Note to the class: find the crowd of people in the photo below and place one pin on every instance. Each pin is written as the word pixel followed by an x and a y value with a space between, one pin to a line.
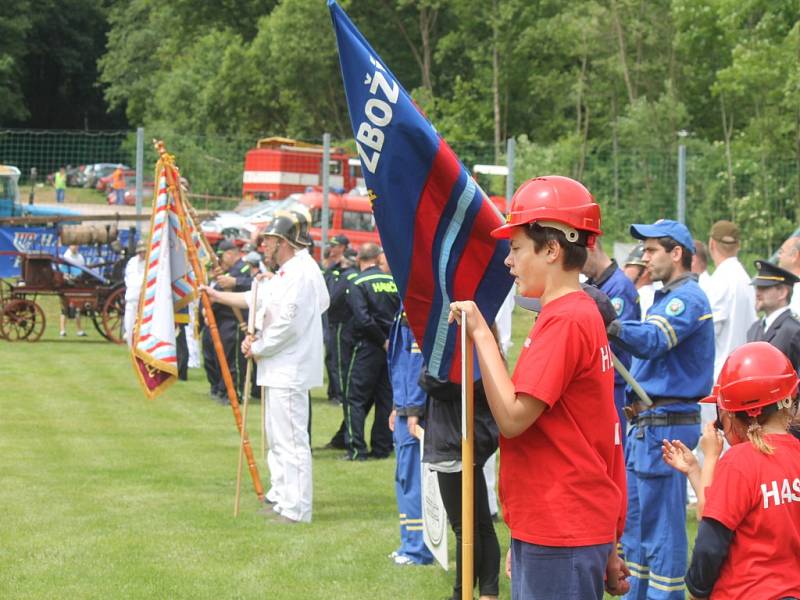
pixel 594 460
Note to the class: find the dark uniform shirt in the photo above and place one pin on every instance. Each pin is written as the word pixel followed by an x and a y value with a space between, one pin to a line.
pixel 373 299
pixel 243 274
pixel 338 282
pixel 784 334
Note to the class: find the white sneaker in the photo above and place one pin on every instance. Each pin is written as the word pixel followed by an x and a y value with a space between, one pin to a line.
pixel 81 333
pixel 402 559
pixel 62 333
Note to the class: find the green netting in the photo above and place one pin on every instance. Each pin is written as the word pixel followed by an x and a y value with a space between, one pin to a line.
pixel 632 185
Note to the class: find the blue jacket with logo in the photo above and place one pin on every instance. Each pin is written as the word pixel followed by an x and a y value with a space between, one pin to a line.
pixel 673 347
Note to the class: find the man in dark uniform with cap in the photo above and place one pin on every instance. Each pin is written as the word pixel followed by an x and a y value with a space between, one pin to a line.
pixel 233 275
pixel 341 343
pixel 779 326
pixel 374 301
pixel 335 318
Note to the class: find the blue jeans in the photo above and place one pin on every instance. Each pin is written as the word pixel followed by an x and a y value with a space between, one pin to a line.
pixel 120 196
pixel 558 573
pixel 60 194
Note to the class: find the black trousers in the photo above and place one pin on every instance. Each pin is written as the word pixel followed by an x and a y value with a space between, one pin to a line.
pixel 332 364
pixel 486 549
pixel 231 337
pixel 343 351
pixel 182 352
pixel 368 384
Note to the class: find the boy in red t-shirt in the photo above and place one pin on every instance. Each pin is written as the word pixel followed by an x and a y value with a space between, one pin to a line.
pixel 562 474
pixel 748 543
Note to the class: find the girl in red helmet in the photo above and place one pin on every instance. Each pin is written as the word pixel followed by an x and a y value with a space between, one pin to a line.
pixel 748 542
pixel 562 475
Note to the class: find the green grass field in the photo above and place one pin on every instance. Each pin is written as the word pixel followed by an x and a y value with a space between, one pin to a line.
pixel 108 495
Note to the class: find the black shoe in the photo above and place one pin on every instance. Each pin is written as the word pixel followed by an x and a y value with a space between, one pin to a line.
pixel 334 446
pixel 335 401
pixel 354 458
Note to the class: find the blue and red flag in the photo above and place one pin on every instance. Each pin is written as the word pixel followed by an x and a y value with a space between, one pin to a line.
pixel 434 220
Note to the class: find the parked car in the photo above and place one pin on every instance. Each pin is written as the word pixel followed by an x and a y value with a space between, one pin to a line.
pixel 105 183
pixel 349 215
pixel 130 193
pixel 92 173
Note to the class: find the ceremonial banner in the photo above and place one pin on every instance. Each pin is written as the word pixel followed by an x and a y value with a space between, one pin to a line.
pixel 169 286
pixel 434 220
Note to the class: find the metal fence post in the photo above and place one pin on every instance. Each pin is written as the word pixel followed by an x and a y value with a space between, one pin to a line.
pixel 682 184
pixel 511 147
pixel 326 167
pixel 139 177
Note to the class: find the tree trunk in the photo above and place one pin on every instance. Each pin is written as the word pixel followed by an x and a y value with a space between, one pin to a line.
pixel 496 82
pixel 727 133
pixel 622 53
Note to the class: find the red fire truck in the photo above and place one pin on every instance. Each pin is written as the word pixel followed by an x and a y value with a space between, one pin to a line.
pixel 278 166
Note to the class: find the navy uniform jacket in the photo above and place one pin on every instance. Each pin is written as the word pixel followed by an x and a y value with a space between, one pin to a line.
pixel 673 347
pixel 338 281
pixel 243 273
pixel 372 297
pixel 784 334
pixel 625 300
pixel 405 367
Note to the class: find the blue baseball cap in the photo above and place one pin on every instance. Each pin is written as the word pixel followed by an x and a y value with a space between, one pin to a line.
pixel 665 228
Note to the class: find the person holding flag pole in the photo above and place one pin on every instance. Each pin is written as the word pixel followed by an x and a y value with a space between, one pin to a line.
pixel 562 475
pixel 433 218
pixel 171 283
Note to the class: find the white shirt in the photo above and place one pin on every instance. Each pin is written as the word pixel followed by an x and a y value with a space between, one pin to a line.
pixel 316 276
pixel 647 294
pixel 289 346
pixel 795 303
pixel 703 280
pixel 75 259
pixel 503 321
pixel 134 276
pixel 733 305
pixel 769 320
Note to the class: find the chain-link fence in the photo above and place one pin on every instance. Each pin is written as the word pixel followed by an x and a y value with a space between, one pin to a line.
pixel 760 193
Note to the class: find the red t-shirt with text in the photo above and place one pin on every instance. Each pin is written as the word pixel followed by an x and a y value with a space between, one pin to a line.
pixel 757 496
pixel 562 481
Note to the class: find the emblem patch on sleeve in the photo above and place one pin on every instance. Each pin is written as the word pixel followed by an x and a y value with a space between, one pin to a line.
pixel 675 307
pixel 618 304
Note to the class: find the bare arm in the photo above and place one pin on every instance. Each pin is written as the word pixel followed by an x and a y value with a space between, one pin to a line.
pixel 513 412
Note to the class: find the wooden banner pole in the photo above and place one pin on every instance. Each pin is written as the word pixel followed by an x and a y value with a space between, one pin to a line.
pixel 247 389
pixel 467 464
pixel 210 320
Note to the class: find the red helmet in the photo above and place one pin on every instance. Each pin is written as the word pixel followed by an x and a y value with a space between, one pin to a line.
pixel 554 201
pixel 755 375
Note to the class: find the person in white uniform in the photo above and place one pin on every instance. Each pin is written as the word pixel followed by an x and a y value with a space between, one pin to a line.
pixel 789 259
pixel 134 276
pixel 732 298
pixel 287 347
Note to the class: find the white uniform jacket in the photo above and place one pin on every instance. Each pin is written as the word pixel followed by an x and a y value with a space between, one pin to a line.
pixel 733 304
pixel 288 346
pixel 134 276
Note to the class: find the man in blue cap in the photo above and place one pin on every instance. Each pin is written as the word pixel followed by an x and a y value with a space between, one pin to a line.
pixel 673 360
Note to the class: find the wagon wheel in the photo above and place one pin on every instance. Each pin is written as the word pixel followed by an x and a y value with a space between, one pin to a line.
pixel 97 321
pixel 22 320
pixel 113 316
